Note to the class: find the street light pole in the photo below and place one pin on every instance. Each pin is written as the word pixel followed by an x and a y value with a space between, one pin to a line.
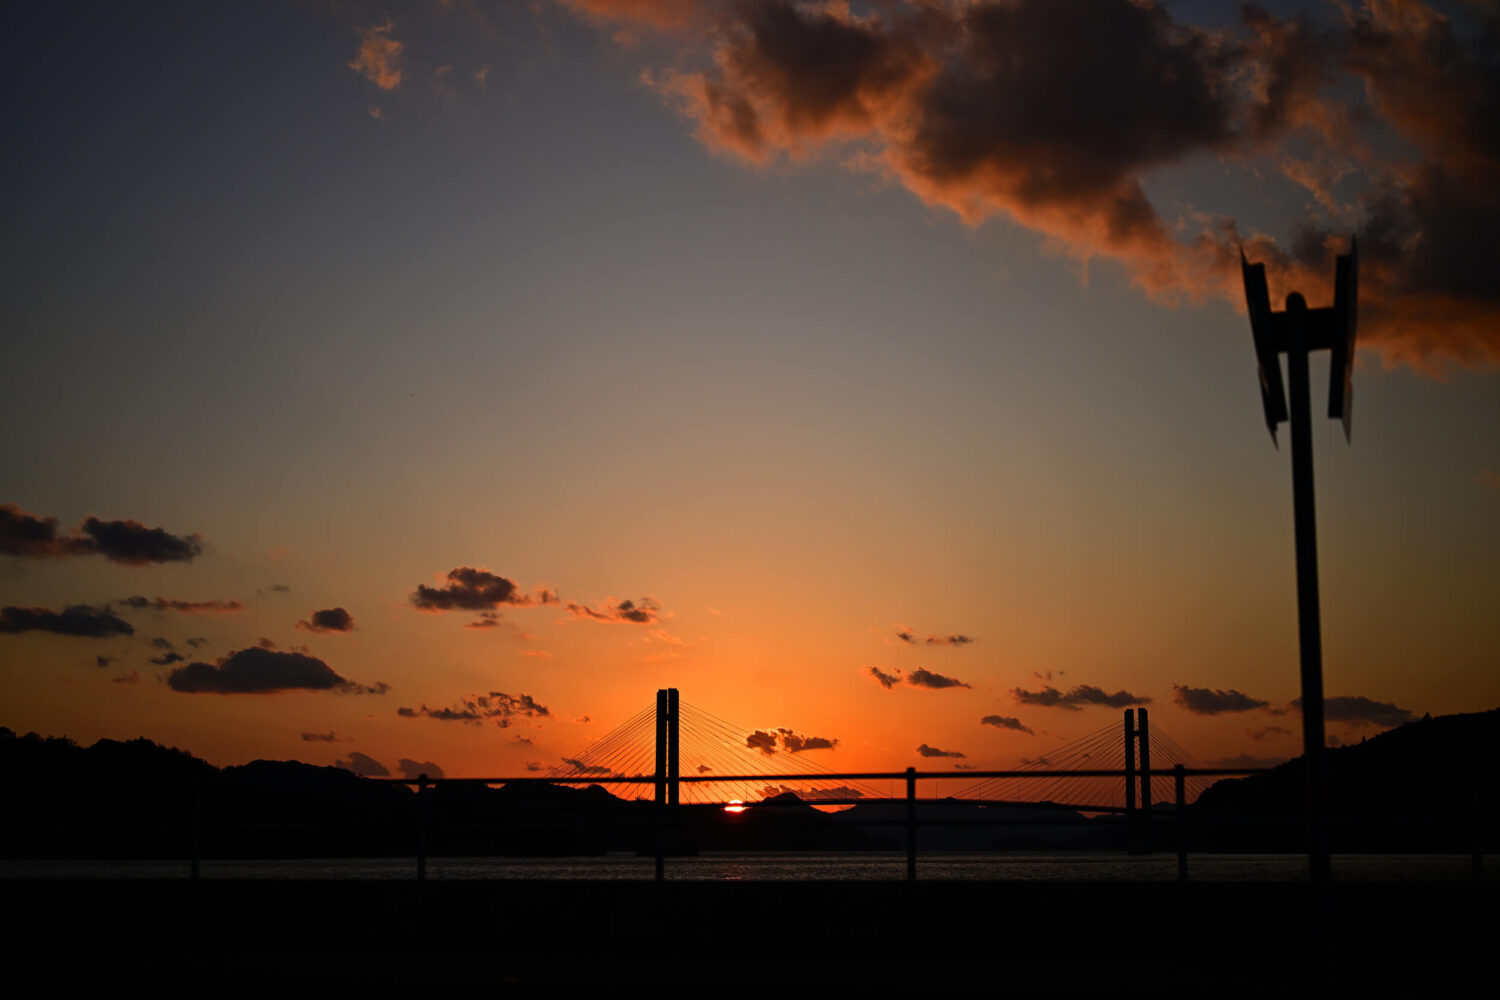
pixel 1297 331
pixel 1309 622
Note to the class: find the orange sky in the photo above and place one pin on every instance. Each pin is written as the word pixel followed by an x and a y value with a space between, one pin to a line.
pixel 619 302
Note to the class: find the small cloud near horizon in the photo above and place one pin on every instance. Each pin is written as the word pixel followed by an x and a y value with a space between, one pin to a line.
pixel 1076 699
pixel 328 620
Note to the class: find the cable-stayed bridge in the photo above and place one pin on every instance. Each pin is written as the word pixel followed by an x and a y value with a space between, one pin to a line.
pixel 679 754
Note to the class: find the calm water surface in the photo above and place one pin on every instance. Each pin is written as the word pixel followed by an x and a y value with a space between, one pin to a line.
pixel 1100 867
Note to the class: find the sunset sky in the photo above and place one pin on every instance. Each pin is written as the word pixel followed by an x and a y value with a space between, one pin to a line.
pixel 436 381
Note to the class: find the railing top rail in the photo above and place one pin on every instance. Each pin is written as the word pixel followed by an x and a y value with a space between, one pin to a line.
pixel 647 779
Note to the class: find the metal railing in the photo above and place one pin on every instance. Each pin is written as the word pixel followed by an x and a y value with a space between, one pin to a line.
pixel 910 776
pixel 665 818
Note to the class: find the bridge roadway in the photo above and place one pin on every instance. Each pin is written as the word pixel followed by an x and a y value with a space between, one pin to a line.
pixel 514 937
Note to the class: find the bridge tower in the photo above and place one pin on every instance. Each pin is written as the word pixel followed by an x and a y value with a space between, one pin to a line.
pixel 667 756
pixel 1137 823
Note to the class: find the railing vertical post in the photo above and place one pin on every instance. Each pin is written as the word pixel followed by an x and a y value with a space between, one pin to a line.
pixel 911 824
pixel 1130 816
pixel 1179 782
pixel 1144 735
pixel 421 828
pixel 197 830
pixel 661 841
pixel 1476 817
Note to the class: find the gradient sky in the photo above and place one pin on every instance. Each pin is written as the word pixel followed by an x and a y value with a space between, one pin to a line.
pixel 799 327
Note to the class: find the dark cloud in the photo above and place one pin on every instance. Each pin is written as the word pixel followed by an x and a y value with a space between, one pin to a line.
pixel 255 670
pixel 362 765
pixel 1207 701
pixel 140 603
pixel 128 542
pixel 1076 699
pixel 612 612
pixel 167 658
pixel 23 534
pixel 470 589
pixel 909 637
pixel 1358 710
pixel 928 679
pixel 497 706
pixel 812 794
pixel 1267 732
pixel 927 751
pixel 917 678
pixel 1245 760
pixel 1056 114
pixel 265 643
pixel 197 641
pixel 328 620
pixel 77 619
pixel 411 769
pixel 520 740
pixel 535 765
pixel 769 741
pixel 161 642
pixel 1005 722
pixel 328 737
pixel 949 640
pixel 582 768
pixel 134 544
pixel 704 769
pixel 486 619
pixel 275 588
pixel 104 661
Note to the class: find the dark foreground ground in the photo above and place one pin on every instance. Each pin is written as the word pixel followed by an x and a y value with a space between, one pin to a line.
pixel 512 938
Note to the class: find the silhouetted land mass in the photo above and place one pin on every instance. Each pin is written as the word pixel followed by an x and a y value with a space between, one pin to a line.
pixel 1425 786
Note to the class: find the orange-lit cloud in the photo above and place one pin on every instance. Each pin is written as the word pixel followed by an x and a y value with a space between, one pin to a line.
pixel 657 13
pixel 1055 113
pixel 612 612
pixel 378 58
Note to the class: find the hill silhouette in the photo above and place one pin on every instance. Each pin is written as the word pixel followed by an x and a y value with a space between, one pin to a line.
pixel 1416 787
pixel 1425 785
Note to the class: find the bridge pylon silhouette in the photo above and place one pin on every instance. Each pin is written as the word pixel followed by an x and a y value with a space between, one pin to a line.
pixel 668 743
